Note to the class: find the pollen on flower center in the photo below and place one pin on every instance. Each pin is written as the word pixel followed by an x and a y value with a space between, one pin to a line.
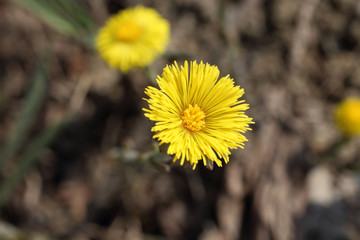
pixel 128 32
pixel 193 118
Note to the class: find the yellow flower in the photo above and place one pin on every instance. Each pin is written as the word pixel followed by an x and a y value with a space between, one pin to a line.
pixel 198 115
pixel 347 116
pixel 133 38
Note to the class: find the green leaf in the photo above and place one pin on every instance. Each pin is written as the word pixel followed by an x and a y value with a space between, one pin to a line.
pixel 45 12
pixel 30 109
pixel 29 158
pixel 64 16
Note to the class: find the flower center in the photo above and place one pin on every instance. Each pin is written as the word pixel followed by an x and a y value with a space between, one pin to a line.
pixel 193 118
pixel 128 32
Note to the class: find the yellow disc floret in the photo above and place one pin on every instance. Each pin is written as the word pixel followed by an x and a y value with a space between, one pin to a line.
pixel 128 32
pixel 193 118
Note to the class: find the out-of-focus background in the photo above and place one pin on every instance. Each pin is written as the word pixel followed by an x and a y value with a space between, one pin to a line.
pixel 74 139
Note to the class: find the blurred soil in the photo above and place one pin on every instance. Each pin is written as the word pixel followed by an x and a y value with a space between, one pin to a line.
pixel 295 59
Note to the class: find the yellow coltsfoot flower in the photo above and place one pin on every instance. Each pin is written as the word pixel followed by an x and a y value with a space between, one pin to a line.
pixel 198 115
pixel 347 116
pixel 133 38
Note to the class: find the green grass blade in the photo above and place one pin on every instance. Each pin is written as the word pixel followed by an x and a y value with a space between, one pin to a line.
pixel 32 104
pixel 79 16
pixel 29 159
pixel 49 15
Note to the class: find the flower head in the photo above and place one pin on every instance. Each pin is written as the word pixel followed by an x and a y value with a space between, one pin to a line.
pixel 347 116
pixel 197 114
pixel 133 38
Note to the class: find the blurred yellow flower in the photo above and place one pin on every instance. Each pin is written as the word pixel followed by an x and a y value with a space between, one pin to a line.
pixel 133 38
pixel 198 115
pixel 347 116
